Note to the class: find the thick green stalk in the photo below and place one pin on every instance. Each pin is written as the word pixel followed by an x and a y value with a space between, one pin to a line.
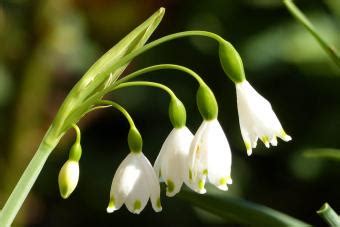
pixel 329 215
pixel 299 16
pixel 27 180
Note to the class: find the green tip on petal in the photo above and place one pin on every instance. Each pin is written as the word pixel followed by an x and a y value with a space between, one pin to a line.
pixel 64 192
pixel 190 174
pixel 265 140
pixel 283 135
pixel 170 186
pixel 201 188
pixel 222 184
pixel 205 172
pixel 136 206
pixel 223 181
pixel 248 147
pixel 111 207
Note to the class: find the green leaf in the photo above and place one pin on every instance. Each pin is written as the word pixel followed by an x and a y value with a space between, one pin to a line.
pixel 329 153
pixel 329 215
pixel 103 73
pixel 300 17
pixel 239 210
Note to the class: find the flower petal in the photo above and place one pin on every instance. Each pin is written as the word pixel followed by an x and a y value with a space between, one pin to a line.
pixel 175 159
pixel 219 156
pixel 124 181
pixel 257 118
pixel 196 175
pixel 152 183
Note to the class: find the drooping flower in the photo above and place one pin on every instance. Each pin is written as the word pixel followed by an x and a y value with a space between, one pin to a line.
pixel 68 178
pixel 209 158
pixel 257 118
pixel 134 183
pixel 172 162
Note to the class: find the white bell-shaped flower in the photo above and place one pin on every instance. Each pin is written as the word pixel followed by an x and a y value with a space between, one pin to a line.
pixel 257 118
pixel 171 163
pixel 134 183
pixel 68 178
pixel 209 158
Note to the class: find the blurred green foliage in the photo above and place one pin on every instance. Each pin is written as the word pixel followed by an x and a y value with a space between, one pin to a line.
pixel 46 46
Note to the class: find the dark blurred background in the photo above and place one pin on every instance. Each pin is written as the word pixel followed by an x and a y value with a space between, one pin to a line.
pixel 46 46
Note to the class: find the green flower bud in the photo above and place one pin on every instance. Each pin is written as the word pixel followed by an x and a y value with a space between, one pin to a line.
pixel 231 62
pixel 135 140
pixel 206 103
pixel 177 113
pixel 68 178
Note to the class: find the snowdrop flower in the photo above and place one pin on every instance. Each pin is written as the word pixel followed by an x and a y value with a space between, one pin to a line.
pixel 69 173
pixel 68 178
pixel 133 183
pixel 209 158
pixel 257 118
pixel 171 163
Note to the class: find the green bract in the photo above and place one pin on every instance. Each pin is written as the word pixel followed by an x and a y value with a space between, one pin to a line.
pixel 177 113
pixel 102 74
pixel 206 103
pixel 231 62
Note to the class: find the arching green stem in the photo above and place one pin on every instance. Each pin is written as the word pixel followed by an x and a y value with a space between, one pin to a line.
pixel 300 17
pixel 76 150
pixel 121 109
pixel 135 140
pixel 145 83
pixel 161 67
pixel 78 134
pixel 177 112
pixel 159 41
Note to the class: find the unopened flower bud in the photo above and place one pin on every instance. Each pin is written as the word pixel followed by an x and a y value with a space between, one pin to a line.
pixel 68 178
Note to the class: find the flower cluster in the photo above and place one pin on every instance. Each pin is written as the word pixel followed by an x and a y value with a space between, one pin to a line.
pixel 193 159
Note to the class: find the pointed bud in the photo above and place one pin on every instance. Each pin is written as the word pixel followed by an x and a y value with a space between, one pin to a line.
pixel 68 178
pixel 135 140
pixel 231 62
pixel 206 103
pixel 177 113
